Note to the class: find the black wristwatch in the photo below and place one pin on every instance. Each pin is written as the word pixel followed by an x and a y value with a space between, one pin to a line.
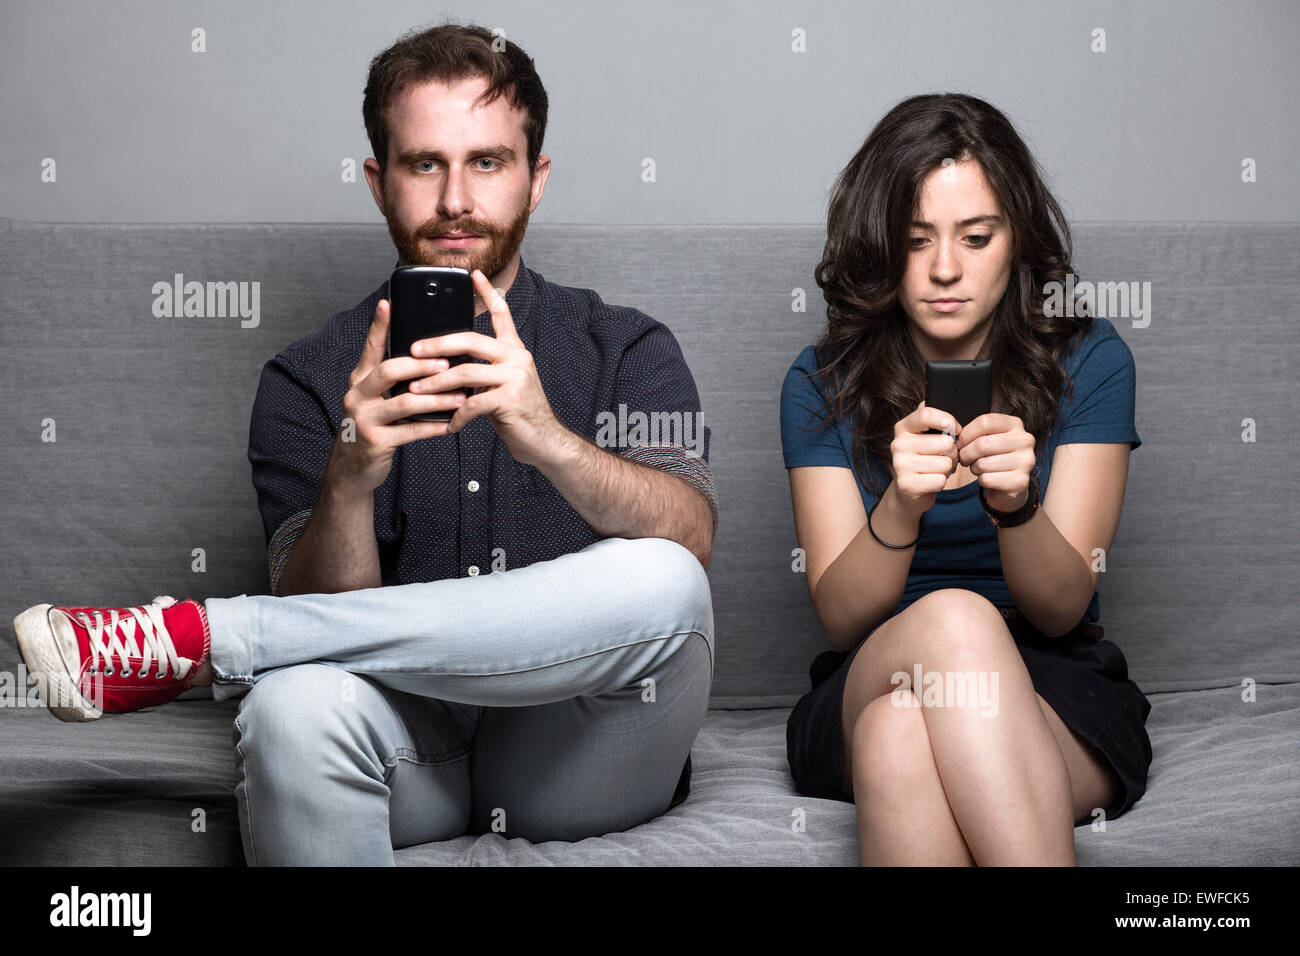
pixel 1022 514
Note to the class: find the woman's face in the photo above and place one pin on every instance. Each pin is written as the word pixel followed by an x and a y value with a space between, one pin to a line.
pixel 959 249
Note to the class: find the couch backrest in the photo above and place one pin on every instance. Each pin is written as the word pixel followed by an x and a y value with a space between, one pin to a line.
pixel 151 418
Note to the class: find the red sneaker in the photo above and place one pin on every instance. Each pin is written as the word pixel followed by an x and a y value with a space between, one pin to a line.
pixel 88 661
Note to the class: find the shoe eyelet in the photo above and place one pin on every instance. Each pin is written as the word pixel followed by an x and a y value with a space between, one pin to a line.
pixel 108 671
pixel 161 675
pixel 126 672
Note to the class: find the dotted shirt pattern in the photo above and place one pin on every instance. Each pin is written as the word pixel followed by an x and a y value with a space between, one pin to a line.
pixel 460 504
pixel 958 547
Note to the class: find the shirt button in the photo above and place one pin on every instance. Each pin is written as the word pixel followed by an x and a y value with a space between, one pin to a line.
pixel 472 486
pixel 473 570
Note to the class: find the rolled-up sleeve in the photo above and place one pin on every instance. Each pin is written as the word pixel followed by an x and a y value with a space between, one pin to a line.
pixel 654 381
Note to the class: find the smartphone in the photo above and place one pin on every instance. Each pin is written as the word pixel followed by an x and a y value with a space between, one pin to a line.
pixel 963 388
pixel 425 301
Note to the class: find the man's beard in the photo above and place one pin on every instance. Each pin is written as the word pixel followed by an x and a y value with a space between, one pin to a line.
pixel 415 246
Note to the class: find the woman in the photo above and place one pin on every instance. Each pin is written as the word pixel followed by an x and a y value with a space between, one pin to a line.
pixel 937 558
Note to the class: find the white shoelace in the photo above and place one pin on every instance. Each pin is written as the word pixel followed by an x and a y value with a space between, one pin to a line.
pixel 155 641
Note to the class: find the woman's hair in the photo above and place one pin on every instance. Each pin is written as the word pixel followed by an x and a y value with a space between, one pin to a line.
pixel 870 368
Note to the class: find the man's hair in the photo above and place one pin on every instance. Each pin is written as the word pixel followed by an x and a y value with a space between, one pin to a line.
pixel 449 53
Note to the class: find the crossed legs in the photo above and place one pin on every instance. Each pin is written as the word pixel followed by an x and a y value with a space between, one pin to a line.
pixel 952 785
pixel 551 702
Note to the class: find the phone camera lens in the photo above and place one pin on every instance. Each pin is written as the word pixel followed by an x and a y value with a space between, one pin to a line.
pixel 431 288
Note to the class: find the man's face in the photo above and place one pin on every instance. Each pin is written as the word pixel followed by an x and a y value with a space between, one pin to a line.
pixel 959 249
pixel 456 190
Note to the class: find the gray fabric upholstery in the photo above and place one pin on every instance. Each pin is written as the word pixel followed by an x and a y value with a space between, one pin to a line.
pixel 150 464
pixel 1222 792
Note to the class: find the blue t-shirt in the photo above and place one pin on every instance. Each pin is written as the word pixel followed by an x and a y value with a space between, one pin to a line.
pixel 959 545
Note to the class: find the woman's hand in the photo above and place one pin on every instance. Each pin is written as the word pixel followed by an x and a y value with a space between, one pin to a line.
pixel 922 463
pixel 998 450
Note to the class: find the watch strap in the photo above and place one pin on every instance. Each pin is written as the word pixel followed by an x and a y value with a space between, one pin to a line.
pixel 1005 519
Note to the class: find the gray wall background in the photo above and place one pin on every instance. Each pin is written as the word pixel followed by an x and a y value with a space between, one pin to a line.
pixel 742 129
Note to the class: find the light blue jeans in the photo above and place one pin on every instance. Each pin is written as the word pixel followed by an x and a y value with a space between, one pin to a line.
pixel 551 702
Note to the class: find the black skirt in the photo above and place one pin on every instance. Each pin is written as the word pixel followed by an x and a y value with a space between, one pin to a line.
pixel 1081 676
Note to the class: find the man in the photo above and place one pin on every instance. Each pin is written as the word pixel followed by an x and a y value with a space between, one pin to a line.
pixel 491 624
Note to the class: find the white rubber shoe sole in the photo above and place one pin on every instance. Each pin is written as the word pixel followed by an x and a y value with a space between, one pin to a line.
pixel 50 654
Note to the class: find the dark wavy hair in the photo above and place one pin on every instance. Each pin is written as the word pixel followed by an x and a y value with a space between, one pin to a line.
pixel 452 52
pixel 870 368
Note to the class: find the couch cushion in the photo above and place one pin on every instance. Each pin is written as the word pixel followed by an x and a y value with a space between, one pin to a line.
pixel 1223 791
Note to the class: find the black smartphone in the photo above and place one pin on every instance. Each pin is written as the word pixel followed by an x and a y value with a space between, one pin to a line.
pixel 961 387
pixel 425 301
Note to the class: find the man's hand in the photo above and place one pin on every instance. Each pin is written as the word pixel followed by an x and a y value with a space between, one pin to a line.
pixel 509 392
pixel 363 464
pixel 998 450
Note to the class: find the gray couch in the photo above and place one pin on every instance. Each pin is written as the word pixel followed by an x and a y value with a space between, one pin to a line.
pixel 149 465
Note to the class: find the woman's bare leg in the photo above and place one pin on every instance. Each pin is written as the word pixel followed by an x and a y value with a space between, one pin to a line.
pixel 1093 784
pixel 903 814
pixel 1006 781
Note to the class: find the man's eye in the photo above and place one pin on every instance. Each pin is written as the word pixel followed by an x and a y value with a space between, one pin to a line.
pixel 492 163
pixel 423 163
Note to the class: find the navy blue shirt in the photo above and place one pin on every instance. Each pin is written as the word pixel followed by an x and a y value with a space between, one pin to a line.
pixel 959 544
pixel 460 504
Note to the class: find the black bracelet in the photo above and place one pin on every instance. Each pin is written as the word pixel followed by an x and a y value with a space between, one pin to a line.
pixel 920 526
pixel 1004 519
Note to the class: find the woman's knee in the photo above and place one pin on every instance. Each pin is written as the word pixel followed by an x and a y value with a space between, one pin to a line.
pixel 890 747
pixel 957 606
pixel 951 628
pixel 958 624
